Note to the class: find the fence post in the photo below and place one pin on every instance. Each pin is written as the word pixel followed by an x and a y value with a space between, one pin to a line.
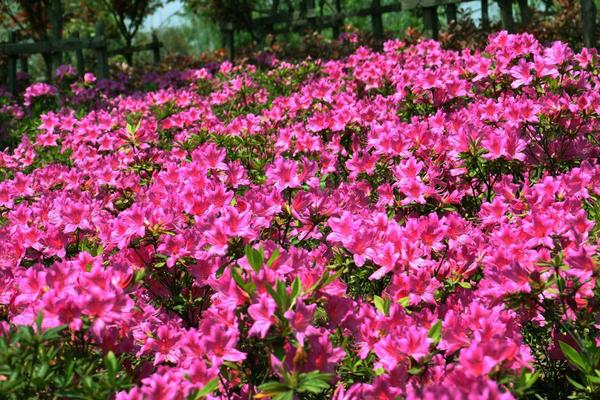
pixel 485 15
pixel 79 62
pixel 451 13
pixel 506 15
pixel 12 66
pixel 24 62
pixel 155 48
pixel 376 20
pixel 339 21
pixel 431 22
pixel 524 11
pixel 588 19
pixel 228 38
pixel 56 34
pixel 265 29
pixel 101 51
pixel 23 58
pixel 310 9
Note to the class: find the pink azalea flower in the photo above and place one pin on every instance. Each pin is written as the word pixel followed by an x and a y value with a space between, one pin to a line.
pixel 522 74
pixel 263 315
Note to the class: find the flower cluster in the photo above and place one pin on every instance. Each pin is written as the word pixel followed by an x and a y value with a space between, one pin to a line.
pixel 416 223
pixel 38 90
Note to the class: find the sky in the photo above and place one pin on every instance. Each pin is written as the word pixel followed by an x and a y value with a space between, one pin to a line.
pixel 164 16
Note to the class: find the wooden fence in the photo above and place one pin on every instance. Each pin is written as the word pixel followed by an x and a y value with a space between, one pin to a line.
pixel 286 22
pixel 21 51
pixel 307 18
pixel 276 22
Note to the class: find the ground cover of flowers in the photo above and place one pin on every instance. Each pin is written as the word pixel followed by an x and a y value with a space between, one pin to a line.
pixel 413 223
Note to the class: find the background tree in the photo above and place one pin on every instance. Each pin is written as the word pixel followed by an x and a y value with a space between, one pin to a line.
pixel 32 19
pixel 237 12
pixel 129 16
pixel 28 16
pixel 123 18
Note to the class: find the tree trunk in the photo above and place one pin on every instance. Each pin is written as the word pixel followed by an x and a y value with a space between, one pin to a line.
pixel 339 23
pixel 102 71
pixel 506 15
pixel 451 13
pixel 525 12
pixel 56 33
pixel 431 22
pixel 588 19
pixel 263 31
pixel 485 15
pixel 228 40
pixel 376 21
pixel 129 54
pixel 12 66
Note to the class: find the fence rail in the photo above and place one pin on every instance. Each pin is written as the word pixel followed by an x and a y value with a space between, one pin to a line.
pixel 56 46
pixel 281 22
pixel 277 22
pixel 294 21
pixel 48 46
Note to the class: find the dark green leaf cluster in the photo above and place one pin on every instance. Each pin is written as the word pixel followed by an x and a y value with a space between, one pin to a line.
pixel 55 365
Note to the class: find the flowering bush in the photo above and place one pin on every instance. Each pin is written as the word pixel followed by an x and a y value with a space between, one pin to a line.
pixel 38 91
pixel 417 223
pixel 560 20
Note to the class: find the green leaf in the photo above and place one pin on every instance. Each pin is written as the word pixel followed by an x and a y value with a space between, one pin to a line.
pixel 38 321
pixel 296 290
pixel 53 333
pixel 383 305
pixel 283 295
pixel 42 371
pixel 273 387
pixel 208 388
pixel 247 287
pixel 255 257
pixel 275 295
pixel 313 387
pixel 289 395
pixel 573 356
pixel 404 302
pixel 111 362
pixel 313 382
pixel 465 285
pixel 525 382
pixel 323 278
pixel 220 270
pixel 139 275
pixel 575 383
pixel 273 258
pixel 435 332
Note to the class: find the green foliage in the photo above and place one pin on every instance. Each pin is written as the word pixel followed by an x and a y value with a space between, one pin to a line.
pixel 205 391
pixel 53 365
pixel 592 207
pixel 587 382
pixel 295 384
pixel 255 258
pixel 435 332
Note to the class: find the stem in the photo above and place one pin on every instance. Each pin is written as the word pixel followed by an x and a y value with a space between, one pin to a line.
pixel 309 232
pixel 283 239
pixel 224 387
